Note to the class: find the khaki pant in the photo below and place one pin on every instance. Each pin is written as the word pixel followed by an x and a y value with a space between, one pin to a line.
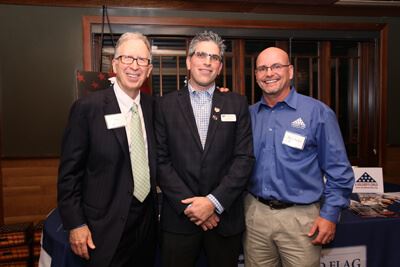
pixel 279 237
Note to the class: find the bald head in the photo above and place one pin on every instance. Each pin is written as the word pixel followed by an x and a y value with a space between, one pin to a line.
pixel 275 55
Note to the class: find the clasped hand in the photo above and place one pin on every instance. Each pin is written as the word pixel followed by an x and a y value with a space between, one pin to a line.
pixel 200 210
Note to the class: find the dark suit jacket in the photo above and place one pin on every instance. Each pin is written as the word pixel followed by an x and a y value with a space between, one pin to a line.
pixel 186 170
pixel 95 178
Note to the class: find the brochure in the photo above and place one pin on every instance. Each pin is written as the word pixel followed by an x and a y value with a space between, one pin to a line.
pixel 376 204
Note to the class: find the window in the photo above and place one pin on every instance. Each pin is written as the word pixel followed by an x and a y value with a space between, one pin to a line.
pixel 328 65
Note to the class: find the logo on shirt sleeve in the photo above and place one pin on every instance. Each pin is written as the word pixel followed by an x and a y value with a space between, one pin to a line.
pixel 298 123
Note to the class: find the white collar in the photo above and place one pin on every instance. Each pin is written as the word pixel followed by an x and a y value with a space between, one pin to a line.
pixel 125 101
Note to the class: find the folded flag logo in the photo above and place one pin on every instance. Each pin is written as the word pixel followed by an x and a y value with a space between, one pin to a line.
pixel 298 123
pixel 366 181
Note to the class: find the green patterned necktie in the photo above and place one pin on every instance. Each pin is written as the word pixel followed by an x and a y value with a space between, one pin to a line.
pixel 139 160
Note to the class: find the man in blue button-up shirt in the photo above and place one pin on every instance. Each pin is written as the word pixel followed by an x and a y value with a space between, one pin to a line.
pixel 290 211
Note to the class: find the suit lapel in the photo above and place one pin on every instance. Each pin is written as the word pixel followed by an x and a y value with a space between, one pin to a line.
pixel 187 111
pixel 215 117
pixel 111 107
pixel 146 103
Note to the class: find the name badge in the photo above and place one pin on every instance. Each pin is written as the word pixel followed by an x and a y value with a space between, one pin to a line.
pixel 228 117
pixel 294 140
pixel 115 121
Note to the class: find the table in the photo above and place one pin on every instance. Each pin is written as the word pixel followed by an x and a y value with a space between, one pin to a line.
pixel 381 236
pixel 55 244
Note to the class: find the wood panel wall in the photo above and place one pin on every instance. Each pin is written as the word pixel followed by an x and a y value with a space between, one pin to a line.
pixel 391 167
pixel 30 185
pixel 29 189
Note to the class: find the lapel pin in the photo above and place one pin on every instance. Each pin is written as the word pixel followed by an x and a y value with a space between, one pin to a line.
pixel 215 117
pixel 217 109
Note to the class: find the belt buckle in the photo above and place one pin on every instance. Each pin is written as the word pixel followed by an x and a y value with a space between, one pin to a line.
pixel 278 205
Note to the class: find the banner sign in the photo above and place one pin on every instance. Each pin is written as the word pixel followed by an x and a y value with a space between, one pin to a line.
pixel 355 256
pixel 368 180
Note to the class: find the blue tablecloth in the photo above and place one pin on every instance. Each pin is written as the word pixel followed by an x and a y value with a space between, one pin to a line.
pixel 380 235
pixel 55 243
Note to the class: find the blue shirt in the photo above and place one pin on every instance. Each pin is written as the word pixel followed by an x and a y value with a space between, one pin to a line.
pixel 295 174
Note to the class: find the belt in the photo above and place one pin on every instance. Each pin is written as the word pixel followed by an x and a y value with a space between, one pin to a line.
pixel 273 203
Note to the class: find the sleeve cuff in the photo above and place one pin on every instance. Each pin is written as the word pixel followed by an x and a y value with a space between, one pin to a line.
pixel 218 207
pixel 330 213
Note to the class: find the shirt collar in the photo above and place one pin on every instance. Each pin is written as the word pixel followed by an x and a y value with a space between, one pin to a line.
pixel 125 102
pixel 290 100
pixel 209 91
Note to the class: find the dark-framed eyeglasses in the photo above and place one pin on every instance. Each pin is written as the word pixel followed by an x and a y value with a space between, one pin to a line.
pixel 139 60
pixel 204 55
pixel 274 68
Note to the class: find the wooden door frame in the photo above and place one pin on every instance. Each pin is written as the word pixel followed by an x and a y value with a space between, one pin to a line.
pixel 381 28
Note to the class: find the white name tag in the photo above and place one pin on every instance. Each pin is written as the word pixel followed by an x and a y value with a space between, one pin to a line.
pixel 294 140
pixel 228 117
pixel 115 121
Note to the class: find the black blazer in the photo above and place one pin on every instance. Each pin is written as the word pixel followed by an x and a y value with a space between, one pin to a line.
pixel 186 170
pixel 95 178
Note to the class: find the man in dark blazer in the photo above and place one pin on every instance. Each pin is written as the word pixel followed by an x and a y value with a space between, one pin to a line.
pixel 205 156
pixel 109 223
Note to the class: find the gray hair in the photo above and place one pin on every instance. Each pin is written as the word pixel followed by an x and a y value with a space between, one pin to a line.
pixel 131 36
pixel 207 36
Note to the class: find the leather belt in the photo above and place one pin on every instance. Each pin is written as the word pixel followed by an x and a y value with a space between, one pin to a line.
pixel 273 203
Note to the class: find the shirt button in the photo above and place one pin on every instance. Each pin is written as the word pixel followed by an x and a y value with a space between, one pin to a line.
pixel 270 129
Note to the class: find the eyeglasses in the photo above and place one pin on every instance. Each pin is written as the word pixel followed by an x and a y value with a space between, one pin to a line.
pixel 139 60
pixel 204 55
pixel 274 67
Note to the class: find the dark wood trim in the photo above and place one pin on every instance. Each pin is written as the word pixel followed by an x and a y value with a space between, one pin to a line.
pixel 160 76
pixel 86 36
pixel 337 66
pixel 1 175
pixel 324 79
pixel 363 116
pixel 370 105
pixel 383 66
pixel 1 195
pixel 325 75
pixel 260 6
pixel 87 22
pixel 239 67
pixel 237 23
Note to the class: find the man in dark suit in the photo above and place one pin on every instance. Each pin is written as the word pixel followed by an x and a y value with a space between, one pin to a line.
pixel 106 185
pixel 205 156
